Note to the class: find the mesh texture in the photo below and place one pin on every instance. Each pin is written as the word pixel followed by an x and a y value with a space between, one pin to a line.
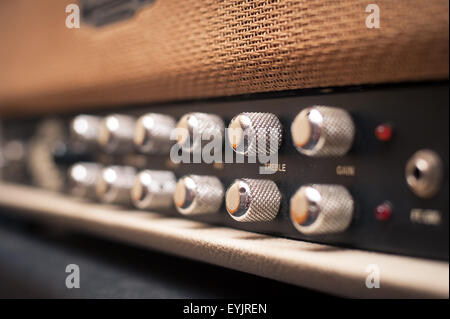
pixel 182 49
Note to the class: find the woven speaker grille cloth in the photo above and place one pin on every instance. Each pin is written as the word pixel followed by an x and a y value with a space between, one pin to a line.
pixel 180 49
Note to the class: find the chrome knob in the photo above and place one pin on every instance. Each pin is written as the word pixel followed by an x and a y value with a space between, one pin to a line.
pixel 152 133
pixel 115 183
pixel 116 133
pixel 83 177
pixel 153 189
pixel 85 130
pixel 323 131
pixel 192 128
pixel 196 194
pixel 252 133
pixel 321 209
pixel 253 200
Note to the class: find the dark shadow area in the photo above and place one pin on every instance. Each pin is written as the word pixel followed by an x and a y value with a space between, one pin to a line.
pixel 33 260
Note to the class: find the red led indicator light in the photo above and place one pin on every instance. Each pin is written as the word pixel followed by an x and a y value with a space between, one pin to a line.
pixel 383 212
pixel 383 132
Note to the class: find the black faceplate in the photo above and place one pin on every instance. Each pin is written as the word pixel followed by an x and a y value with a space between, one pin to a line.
pixel 419 115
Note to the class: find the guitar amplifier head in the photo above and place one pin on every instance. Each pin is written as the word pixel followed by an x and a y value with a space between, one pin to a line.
pixel 304 141
pixel 181 49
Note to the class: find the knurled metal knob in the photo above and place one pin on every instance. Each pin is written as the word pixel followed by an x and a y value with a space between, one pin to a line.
pixel 116 133
pixel 321 209
pixel 153 189
pixel 85 129
pixel 83 177
pixel 323 131
pixel 115 183
pixel 253 200
pixel 196 194
pixel 152 133
pixel 193 128
pixel 252 133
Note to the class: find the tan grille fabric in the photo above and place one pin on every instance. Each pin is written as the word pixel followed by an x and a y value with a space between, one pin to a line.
pixel 182 49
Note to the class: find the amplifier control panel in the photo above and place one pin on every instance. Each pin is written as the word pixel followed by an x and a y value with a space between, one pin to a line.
pixel 359 167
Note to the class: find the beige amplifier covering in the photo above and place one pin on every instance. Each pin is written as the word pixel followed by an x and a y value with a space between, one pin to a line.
pixel 329 269
pixel 185 49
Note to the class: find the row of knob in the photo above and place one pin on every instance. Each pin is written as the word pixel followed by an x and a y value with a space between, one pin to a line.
pixel 316 131
pixel 314 209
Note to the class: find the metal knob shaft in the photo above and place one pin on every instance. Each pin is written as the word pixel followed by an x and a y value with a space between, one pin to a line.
pixel 321 209
pixel 116 133
pixel 83 177
pixel 85 130
pixel 193 128
pixel 115 183
pixel 253 200
pixel 323 131
pixel 152 133
pixel 153 189
pixel 196 194
pixel 255 133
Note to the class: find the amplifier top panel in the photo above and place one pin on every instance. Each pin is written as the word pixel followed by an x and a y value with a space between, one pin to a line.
pixel 179 49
